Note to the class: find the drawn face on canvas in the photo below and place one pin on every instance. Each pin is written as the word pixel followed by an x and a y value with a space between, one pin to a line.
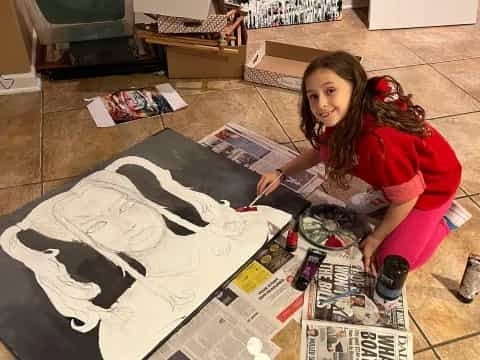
pixel 115 220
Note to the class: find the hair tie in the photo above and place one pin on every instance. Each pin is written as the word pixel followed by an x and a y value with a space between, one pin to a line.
pixel 383 87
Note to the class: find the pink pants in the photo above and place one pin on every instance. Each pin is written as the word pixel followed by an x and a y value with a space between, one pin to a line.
pixel 417 237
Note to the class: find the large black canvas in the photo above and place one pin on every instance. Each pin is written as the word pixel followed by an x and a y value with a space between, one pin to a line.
pixel 31 327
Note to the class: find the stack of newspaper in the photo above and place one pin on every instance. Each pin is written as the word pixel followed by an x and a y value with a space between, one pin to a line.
pixel 352 327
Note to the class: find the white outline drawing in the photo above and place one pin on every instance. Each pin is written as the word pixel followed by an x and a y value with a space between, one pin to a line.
pixel 107 212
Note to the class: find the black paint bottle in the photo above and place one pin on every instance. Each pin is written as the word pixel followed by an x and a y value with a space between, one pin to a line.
pixel 309 268
pixel 392 277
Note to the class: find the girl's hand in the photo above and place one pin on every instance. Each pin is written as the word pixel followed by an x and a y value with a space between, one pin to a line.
pixel 369 246
pixel 266 180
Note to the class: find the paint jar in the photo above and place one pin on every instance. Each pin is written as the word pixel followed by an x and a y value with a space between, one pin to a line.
pixel 470 285
pixel 391 279
pixel 292 236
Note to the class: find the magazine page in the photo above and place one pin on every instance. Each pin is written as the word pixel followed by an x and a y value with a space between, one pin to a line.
pixel 324 340
pixel 132 104
pixel 353 289
pixel 261 155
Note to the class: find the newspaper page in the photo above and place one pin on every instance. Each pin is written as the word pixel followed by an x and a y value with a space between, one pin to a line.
pixel 215 333
pixel 257 303
pixel 261 155
pixel 356 308
pixel 260 302
pixel 324 340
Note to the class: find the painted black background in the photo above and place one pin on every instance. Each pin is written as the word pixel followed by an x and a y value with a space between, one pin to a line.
pixel 31 327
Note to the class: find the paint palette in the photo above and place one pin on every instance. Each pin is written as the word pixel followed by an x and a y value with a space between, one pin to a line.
pixel 333 227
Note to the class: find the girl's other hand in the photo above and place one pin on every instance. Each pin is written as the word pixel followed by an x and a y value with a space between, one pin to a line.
pixel 369 246
pixel 266 180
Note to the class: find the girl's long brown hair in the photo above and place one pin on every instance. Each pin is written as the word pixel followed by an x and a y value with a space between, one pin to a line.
pixel 396 111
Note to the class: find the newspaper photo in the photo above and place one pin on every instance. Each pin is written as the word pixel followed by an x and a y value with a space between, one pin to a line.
pixel 261 155
pixel 324 340
pixel 357 307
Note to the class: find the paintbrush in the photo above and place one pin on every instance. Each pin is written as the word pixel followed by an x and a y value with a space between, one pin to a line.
pixel 259 196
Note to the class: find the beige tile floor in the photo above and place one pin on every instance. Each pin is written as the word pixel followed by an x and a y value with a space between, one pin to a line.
pixel 47 139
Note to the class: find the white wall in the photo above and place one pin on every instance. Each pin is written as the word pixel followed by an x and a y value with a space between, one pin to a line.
pixel 394 14
pixel 347 4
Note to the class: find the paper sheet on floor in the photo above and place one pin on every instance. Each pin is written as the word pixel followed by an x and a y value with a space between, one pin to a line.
pixel 133 104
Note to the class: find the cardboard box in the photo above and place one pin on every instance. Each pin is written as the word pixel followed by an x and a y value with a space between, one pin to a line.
pixel 281 65
pixel 194 64
pixel 17 40
pixel 192 9
pixel 175 25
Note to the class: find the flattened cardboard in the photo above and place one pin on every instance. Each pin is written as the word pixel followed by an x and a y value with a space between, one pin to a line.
pixel 281 65
pixel 192 9
pixel 187 63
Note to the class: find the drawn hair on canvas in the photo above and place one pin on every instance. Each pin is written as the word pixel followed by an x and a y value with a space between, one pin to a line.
pixel 107 212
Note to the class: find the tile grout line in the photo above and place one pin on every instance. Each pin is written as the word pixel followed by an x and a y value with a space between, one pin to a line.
pixel 39 182
pixel 449 61
pixel 452 115
pixel 275 117
pixel 20 185
pixel 430 346
pixel 458 339
pixel 474 201
pixel 436 354
pixel 457 85
pixel 425 62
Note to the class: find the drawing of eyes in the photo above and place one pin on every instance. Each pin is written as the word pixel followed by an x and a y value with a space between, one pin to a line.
pixel 127 204
pixel 98 225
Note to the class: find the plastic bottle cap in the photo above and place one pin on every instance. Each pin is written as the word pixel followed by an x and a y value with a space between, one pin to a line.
pixel 254 347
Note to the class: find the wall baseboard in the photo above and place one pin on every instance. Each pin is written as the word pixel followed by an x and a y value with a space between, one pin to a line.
pixel 22 83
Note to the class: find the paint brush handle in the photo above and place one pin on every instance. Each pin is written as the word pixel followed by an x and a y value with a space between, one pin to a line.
pixel 259 196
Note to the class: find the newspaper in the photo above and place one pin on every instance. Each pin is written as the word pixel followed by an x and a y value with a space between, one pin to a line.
pixel 324 340
pixel 357 308
pixel 220 331
pixel 257 303
pixel 262 155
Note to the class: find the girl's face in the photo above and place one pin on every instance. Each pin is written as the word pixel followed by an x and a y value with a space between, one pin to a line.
pixel 328 96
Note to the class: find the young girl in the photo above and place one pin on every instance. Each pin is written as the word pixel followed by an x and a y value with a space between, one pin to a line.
pixel 370 129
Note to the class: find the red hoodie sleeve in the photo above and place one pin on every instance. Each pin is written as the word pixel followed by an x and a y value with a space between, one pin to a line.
pixel 391 163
